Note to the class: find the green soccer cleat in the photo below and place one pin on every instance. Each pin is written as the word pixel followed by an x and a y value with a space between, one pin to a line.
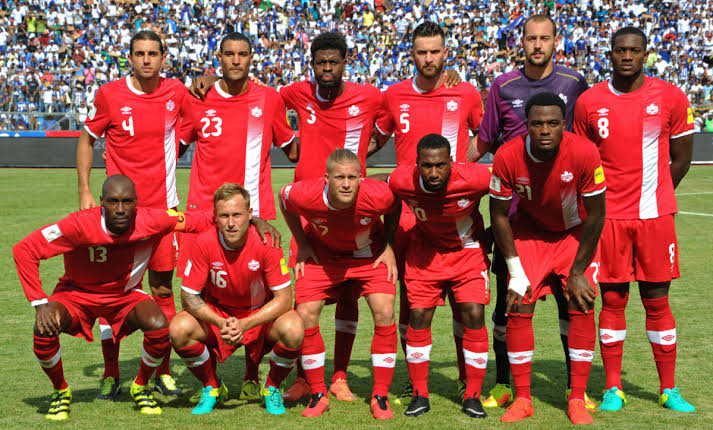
pixel 166 385
pixel 210 397
pixel 673 400
pixel 109 390
pixel 500 394
pixel 613 400
pixel 250 390
pixel 144 399
pixel 272 397
pixel 59 406
pixel 461 390
pixel 196 397
pixel 406 395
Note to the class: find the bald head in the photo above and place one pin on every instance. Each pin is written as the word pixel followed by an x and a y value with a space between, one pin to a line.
pixel 119 202
pixel 115 182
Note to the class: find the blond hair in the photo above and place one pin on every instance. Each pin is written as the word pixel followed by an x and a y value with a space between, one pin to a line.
pixel 229 190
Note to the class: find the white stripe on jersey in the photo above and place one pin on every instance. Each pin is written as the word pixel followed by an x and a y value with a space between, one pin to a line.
pixel 465 231
pixel 253 152
pixel 648 205
pixel 353 136
pixel 570 214
pixel 169 151
pixel 142 255
pixel 449 126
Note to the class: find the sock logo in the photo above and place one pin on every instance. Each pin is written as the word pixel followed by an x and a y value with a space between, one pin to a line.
pixel 416 355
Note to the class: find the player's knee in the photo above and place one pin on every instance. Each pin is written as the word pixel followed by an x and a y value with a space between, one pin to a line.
pixel 419 318
pixel 180 329
pixel 473 315
pixel 291 329
pixel 309 314
pixel 154 321
pixel 383 315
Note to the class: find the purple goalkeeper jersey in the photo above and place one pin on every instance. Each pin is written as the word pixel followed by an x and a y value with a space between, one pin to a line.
pixel 505 108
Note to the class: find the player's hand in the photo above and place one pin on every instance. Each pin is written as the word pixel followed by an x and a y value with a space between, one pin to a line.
pixel 513 300
pixel 257 81
pixel 304 252
pixel 452 78
pixel 580 291
pixel 104 155
pixel 47 320
pixel 388 258
pixel 231 332
pixel 263 227
pixel 200 86
pixel 86 201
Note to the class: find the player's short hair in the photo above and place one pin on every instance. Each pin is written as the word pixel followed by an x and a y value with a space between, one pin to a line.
pixel 146 35
pixel 428 29
pixel 545 99
pixel 342 156
pixel 630 30
pixel 329 40
pixel 229 190
pixel 238 37
pixel 540 17
pixel 433 141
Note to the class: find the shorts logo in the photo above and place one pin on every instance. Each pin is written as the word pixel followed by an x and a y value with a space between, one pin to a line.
pixel 463 203
pixel 353 110
pixel 256 112
pixel 404 107
pixel 210 113
pixel 452 105
pixel 495 183
pixel 365 221
pixel 517 103
pixel 51 232
pixel 599 175
pixel 567 176
pixel 690 116
pixel 126 110
pixel 652 109
pixel 253 265
pixel 170 106
pixel 563 97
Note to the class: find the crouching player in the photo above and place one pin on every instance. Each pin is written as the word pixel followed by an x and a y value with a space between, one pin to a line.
pixel 552 241
pixel 235 291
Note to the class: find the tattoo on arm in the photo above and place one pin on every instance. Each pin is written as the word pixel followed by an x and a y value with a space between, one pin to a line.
pixel 192 302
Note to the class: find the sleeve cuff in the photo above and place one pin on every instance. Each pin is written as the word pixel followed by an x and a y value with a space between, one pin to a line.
pixel 500 197
pixel 288 142
pixel 279 287
pixel 190 291
pixel 685 133
pixel 383 133
pixel 594 193
pixel 91 133
pixel 36 303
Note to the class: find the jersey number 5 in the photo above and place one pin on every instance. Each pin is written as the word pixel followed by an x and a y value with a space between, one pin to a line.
pixel 403 119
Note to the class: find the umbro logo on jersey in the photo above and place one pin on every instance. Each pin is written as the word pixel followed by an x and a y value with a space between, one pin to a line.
pixel 253 265
pixel 563 97
pixel 126 110
pixel 365 221
pixel 256 112
pixel 523 180
pixel 652 109
pixel 567 176
pixel 517 103
pixel 210 112
pixel 452 105
pixel 170 106
pixel 404 107
pixel 217 265
pixel 353 110
pixel 463 203
pixel 603 112
pixel 319 221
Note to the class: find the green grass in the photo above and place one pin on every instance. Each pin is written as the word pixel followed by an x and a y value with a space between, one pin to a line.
pixel 34 197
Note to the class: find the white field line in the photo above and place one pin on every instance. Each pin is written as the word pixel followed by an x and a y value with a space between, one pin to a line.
pixel 695 213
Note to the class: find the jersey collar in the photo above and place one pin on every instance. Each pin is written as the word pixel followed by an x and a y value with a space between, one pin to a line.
pixel 415 85
pixel 103 223
pixel 326 200
pixel 222 92
pixel 529 152
pixel 225 245
pixel 420 182
pixel 131 86
pixel 320 98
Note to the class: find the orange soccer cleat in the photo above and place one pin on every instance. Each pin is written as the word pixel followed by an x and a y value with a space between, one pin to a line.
pixel 578 412
pixel 341 391
pixel 518 411
pixel 318 405
pixel 380 408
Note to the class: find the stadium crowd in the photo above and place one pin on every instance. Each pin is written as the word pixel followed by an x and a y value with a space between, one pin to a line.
pixel 55 54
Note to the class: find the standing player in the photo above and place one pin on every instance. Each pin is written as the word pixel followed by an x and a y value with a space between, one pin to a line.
pixel 638 122
pixel 234 128
pixel 504 120
pixel 106 252
pixel 247 301
pixel 414 108
pixel 138 115
pixel 347 244
pixel 552 241
pixel 444 254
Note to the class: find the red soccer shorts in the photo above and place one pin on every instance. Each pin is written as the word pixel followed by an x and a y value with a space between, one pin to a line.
pixel 545 255
pixel 404 235
pixel 430 273
pixel 86 307
pixel 639 250
pixel 257 336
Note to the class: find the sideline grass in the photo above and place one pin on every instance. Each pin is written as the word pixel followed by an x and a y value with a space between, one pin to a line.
pixel 34 197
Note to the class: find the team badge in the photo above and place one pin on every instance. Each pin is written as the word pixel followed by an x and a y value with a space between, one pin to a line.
pixel 599 175
pixel 51 233
pixel 365 221
pixel 567 176
pixel 170 106
pixel 452 105
pixel 690 116
pixel 495 183
pixel 463 202
pixel 256 112
pixel 253 265
pixel 652 109
pixel 353 110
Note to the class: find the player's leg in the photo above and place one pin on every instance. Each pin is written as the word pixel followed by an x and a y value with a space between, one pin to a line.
pixel 313 355
pixel 110 387
pixel 418 356
pixel 475 353
pixel 287 334
pixel 49 354
pixel 612 333
pixel 250 390
pixel 458 340
pixel 384 346
pixel 520 346
pixel 346 320
pixel 581 341
pixel 160 283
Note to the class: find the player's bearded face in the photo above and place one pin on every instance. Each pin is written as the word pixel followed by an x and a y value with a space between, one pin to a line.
pixel 628 55
pixel 343 184
pixel 539 43
pixel 429 56
pixel 235 59
pixel 545 126
pixel 147 59
pixel 119 203
pixel 233 219
pixel 435 168
pixel 328 67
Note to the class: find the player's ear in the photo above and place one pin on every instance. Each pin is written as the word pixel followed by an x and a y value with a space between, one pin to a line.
pixel 250 213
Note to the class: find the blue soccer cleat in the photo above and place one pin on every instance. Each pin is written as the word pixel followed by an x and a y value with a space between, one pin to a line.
pixel 673 400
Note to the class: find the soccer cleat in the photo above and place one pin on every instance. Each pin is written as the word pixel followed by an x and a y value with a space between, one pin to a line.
pixel 299 389
pixel 578 413
pixel 272 396
pixel 518 411
pixel 405 397
pixel 461 390
pixel 672 399
pixel 318 404
pixel 109 390
pixel 591 406
pixel 196 397
pixel 341 391
pixel 209 398
pixel 251 390
pixel 613 400
pixel 380 408
pixel 419 405
pixel 144 400
pixel 166 385
pixel 473 408
pixel 500 394
pixel 59 406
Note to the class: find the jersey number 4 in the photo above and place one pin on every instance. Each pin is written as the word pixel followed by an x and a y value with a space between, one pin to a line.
pixel 128 125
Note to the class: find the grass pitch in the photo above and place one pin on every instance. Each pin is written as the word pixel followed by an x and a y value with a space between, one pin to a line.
pixel 34 197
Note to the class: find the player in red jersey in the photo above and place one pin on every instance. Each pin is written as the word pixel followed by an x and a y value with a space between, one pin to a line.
pixel 138 116
pixel 416 107
pixel 551 243
pixel 246 300
pixel 444 254
pixel 341 249
pixel 638 123
pixel 106 252
pixel 234 128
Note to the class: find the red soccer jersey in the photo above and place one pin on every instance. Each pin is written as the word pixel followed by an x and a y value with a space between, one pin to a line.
pixel 449 219
pixel 410 113
pixel 140 132
pixel 233 135
pixel 550 192
pixel 632 131
pixel 96 260
pixel 237 280
pixel 346 122
pixel 354 232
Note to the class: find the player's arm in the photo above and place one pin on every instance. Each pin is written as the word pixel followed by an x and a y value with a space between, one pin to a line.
pixel 304 249
pixel 194 304
pixel 681 153
pixel 280 303
pixel 377 142
pixel 85 156
pixel 387 256
pixel 383 128
pixel 201 84
pixel 292 150
pixel 452 78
